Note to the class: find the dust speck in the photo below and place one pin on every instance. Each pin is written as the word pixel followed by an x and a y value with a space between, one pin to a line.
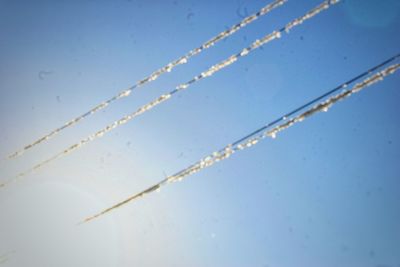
pixel 189 15
pixel 43 73
pixel 242 12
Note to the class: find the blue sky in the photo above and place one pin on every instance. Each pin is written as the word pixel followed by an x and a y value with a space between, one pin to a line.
pixel 324 193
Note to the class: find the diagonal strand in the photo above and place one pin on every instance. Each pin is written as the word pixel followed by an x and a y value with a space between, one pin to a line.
pixel 209 72
pixel 167 68
pixel 262 133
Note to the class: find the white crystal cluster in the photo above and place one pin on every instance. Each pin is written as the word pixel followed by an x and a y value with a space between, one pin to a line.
pixel 119 122
pixel 203 163
pixel 325 5
pixel 266 39
pixel 327 104
pixel 246 21
pixel 219 66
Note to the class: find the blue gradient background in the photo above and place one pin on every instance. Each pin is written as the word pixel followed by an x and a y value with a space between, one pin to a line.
pixel 324 193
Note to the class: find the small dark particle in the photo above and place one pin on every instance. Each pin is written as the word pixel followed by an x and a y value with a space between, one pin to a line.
pixel 189 15
pixel 390 142
pixel 372 253
pixel 58 99
pixel 128 144
pixel 345 58
pixel 245 38
pixel 301 38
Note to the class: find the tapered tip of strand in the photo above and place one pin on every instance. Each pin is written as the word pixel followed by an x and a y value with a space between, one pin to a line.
pixel 14 155
pixel 87 220
pixel 6 158
pixel 11 180
pixel 139 195
pixel 95 216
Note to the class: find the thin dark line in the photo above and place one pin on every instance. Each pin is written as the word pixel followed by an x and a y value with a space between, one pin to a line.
pixel 313 101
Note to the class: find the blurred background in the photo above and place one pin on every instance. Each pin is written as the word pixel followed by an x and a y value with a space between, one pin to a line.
pixel 325 192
